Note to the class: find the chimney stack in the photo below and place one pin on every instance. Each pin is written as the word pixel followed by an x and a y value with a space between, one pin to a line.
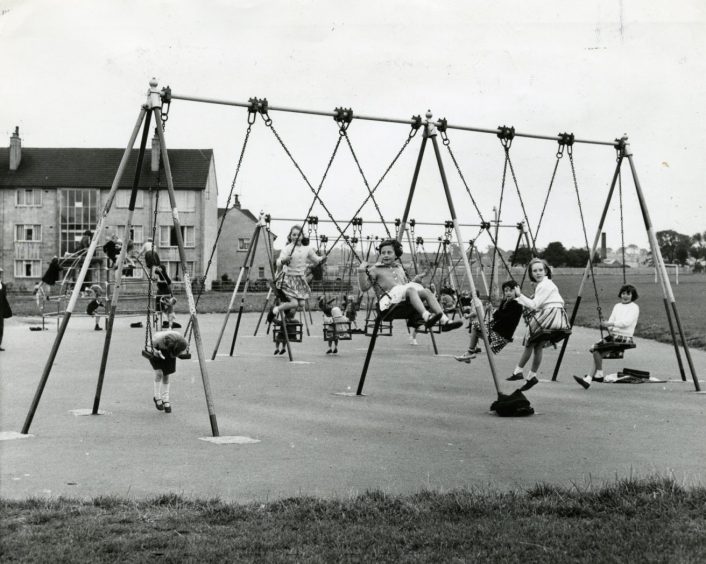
pixel 15 149
pixel 236 203
pixel 156 153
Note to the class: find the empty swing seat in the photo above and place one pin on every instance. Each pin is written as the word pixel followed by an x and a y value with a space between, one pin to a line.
pixel 294 331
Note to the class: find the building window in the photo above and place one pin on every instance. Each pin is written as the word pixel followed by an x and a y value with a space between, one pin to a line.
pixel 137 234
pixel 243 244
pixel 79 213
pixel 122 199
pixel 168 238
pixel 28 197
pixel 28 268
pixel 175 271
pixel 28 233
pixel 261 272
pixel 185 200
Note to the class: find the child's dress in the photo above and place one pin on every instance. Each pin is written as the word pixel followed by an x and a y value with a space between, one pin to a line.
pixel 293 282
pixel 546 313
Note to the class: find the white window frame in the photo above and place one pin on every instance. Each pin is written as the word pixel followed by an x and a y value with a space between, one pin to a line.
pixel 243 244
pixel 188 234
pixel 36 194
pixel 261 275
pixel 37 227
pixel 35 265
pixel 122 199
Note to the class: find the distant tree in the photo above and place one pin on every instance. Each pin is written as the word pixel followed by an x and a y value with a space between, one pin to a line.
pixel 698 246
pixel 673 246
pixel 522 256
pixel 555 254
pixel 577 257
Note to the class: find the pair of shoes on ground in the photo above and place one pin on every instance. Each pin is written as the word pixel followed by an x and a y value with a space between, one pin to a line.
pixel 162 405
pixel 466 357
pixel 527 385
pixel 280 352
pixel 332 351
pixel 175 325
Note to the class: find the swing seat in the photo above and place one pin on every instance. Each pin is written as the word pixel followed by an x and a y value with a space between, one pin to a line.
pixel 547 326
pixel 151 355
pixel 613 350
pixel 340 331
pixel 294 331
pixel 401 310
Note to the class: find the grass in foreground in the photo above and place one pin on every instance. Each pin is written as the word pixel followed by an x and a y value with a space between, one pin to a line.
pixel 653 520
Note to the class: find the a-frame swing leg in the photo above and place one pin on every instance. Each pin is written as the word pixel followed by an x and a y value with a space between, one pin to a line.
pixel 430 131
pixel 262 312
pixel 235 293
pixel 587 270
pixel 253 246
pixel 659 264
pixel 82 275
pixel 156 108
pixel 369 354
pixel 119 267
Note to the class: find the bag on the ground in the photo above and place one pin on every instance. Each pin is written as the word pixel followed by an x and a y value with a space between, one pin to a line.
pixel 513 405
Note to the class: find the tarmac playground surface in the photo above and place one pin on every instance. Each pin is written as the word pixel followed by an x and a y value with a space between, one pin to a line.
pixel 422 424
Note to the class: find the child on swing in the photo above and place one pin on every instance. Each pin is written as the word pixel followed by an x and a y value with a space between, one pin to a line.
pixel 295 257
pixel 167 346
pixel 548 307
pixel 392 286
pixel 280 339
pixel 621 327
pixel 500 328
pixel 333 318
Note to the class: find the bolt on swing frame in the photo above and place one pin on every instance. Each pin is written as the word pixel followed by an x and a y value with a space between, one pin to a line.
pixel 430 132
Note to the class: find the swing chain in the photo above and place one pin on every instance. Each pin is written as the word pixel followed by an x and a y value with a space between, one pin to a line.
pixel 166 97
pixel 441 126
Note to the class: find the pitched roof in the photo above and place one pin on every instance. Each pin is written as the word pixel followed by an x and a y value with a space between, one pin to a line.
pixel 96 168
pixel 246 213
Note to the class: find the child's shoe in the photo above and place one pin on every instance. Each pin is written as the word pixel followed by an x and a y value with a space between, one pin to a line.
pixel 167 407
pixel 96 328
pixel 329 351
pixel 583 382
pixel 529 384
pixel 335 350
pixel 465 357
pixel 158 404
pixel 413 342
pixel 518 376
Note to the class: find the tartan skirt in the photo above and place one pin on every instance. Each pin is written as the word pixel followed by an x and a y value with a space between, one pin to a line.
pixel 497 341
pixel 550 319
pixel 294 287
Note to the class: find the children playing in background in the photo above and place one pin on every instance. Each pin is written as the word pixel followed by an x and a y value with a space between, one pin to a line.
pixel 335 325
pixel 167 346
pixel 500 328
pixel 548 307
pixel 164 298
pixel 621 327
pixel 94 304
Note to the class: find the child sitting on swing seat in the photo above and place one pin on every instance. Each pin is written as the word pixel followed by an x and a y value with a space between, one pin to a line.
pixel 392 286
pixel 621 327
pixel 500 328
pixel 545 313
pixel 166 347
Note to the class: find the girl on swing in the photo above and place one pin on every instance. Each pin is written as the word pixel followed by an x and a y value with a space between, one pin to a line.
pixel 547 306
pixel 166 347
pixel 295 257
pixel 620 325
pixel 392 286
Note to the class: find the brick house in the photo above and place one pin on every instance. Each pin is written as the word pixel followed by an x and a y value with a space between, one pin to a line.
pixel 50 196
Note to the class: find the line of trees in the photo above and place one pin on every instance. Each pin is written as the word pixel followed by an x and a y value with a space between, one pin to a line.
pixel 555 254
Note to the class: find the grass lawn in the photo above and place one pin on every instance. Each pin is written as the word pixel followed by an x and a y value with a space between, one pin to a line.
pixel 652 520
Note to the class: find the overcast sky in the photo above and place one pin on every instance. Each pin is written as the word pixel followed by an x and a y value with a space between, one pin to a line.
pixel 75 74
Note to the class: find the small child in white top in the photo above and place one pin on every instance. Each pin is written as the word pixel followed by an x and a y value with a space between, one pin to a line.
pixel 621 327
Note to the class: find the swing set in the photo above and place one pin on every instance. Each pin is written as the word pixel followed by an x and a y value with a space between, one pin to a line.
pixel 158 104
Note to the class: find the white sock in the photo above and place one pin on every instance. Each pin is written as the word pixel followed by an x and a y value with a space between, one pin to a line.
pixel 157 390
pixel 599 374
pixel 444 319
pixel 426 315
pixel 165 392
pixel 518 370
pixel 532 375
pixel 275 310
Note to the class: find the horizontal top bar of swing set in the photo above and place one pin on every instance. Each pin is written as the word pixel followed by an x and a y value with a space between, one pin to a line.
pixel 378 222
pixel 383 119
